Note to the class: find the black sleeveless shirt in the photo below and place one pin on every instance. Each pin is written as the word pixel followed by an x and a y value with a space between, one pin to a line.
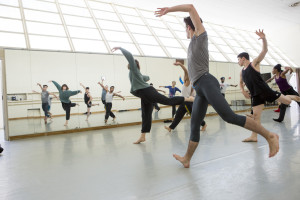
pixel 254 81
pixel 86 98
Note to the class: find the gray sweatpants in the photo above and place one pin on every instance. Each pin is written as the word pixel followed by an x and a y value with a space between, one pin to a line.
pixel 208 92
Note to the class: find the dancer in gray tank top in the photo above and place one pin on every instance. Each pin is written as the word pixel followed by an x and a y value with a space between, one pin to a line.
pixel 207 86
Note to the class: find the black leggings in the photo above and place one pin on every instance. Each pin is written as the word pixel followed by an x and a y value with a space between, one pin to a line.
pixel 183 108
pixel 208 92
pixel 108 112
pixel 282 106
pixel 103 101
pixel 67 108
pixel 149 96
pixel 156 106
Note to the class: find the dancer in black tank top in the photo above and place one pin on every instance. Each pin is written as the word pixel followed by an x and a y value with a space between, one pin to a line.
pixel 259 89
pixel 88 101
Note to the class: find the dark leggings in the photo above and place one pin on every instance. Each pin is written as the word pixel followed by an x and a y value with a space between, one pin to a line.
pixel 208 92
pixel 103 101
pixel 67 108
pixel 108 112
pixel 183 108
pixel 156 106
pixel 45 109
pixel 173 110
pixel 149 96
pixel 282 106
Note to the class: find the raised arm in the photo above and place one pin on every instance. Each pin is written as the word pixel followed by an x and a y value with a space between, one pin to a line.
pixel 36 92
pixel 264 51
pixel 40 86
pixel 51 93
pixel 128 56
pixel 286 70
pixel 270 79
pixel 186 74
pixel 118 95
pixel 199 28
pixel 101 84
pixel 82 86
pixel 75 92
pixel 242 87
pixel 56 85
pixel 180 80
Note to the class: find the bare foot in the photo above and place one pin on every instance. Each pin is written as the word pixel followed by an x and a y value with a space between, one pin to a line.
pixel 273 141
pixel 204 127
pixel 142 139
pixel 249 115
pixel 168 128
pixel 250 139
pixel 183 161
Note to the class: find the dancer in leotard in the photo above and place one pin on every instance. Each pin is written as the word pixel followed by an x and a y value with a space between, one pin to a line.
pixel 88 101
pixel 45 95
pixel 187 91
pixel 64 96
pixel 108 102
pixel 172 93
pixel 155 104
pixel 284 86
pixel 207 86
pixel 149 95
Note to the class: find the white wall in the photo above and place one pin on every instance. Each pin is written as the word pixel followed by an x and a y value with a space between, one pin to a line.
pixel 1 104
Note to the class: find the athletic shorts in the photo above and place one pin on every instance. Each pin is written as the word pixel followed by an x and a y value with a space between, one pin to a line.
pixel 268 95
pixel 88 104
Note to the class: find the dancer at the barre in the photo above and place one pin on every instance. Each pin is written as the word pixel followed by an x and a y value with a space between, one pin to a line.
pixel 185 107
pixel 88 101
pixel 259 89
pixel 224 86
pixel 207 86
pixel 45 97
pixel 108 101
pixel 172 93
pixel 157 108
pixel 64 96
pixel 284 86
pixel 149 95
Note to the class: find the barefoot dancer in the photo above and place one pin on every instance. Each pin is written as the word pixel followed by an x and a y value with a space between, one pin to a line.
pixel 64 96
pixel 284 86
pixel 148 94
pixel 45 95
pixel 108 101
pixel 88 101
pixel 172 93
pixel 207 86
pixel 187 91
pixel 259 89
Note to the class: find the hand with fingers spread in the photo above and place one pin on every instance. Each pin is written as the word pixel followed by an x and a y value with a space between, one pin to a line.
pixel 115 49
pixel 161 11
pixel 261 34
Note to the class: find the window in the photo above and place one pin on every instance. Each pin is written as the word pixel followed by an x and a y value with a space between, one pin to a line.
pixel 105 15
pixel 73 2
pixel 87 33
pixel 177 27
pixel 71 10
pixel 132 20
pixel 218 40
pixel 128 46
pixel 127 11
pixel 233 43
pixel 117 36
pixel 187 43
pixel 156 23
pixel 45 29
pixel 51 43
pixel 139 29
pixel 177 53
pixel 169 18
pixel 226 49
pixel 11 25
pixel 109 25
pixel 40 5
pixel 163 32
pixel 9 2
pixel 12 40
pixel 232 57
pixel 218 57
pixel 100 6
pixel 89 45
pixel 79 21
pixel 153 51
pixel 145 39
pixel 212 47
pixel 42 16
pixel 10 12
pixel 147 14
pixel 170 42
pixel 181 34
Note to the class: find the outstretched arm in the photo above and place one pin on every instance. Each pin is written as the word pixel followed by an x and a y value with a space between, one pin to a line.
pixel 186 74
pixel 264 51
pixel 101 84
pixel 270 79
pixel 128 56
pixel 53 95
pixel 286 70
pixel 82 86
pixel 199 28
pixel 118 95
pixel 36 92
pixel 246 94
pixel 40 86
pixel 180 80
pixel 75 92
pixel 56 85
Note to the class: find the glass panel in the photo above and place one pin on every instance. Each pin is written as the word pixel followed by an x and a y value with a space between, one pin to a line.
pixel 177 53
pixel 79 21
pixel 181 34
pixel 264 62
pixel 12 40
pixel 218 40
pixel 128 46
pixel 156 23
pixel 239 38
pixel 218 28
pixel 89 45
pixel 225 35
pixel 177 27
pixel 138 29
pixel 245 45
pixel 163 32
pixel 283 63
pixel 153 51
pixel 169 42
pixel 106 15
pixel 133 20
pixel 45 29
pixel 75 11
pixel 187 43
pixel 147 14
pixel 145 39
pixel 212 47
pixel 272 61
pixel 42 16
pixel 40 5
pixel 226 49
pixel 127 11
pixel 218 57
pixel 233 43
pixel 231 30
pixel 109 25
pixel 169 18
pixel 239 49
pixel 51 43
pixel 117 36
pixel 87 33
pixel 252 52
pixel 11 25
pixel 10 2
pixel 73 2
pixel 100 6
pixel 233 57
pixel 10 12
pixel 212 33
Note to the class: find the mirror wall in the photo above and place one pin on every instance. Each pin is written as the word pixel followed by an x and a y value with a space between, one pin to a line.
pixel 25 69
